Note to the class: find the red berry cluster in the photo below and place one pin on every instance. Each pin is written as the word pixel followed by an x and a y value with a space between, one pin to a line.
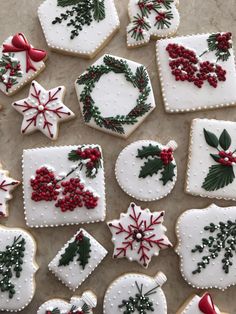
pixel 166 156
pixel 223 41
pixel 226 158
pixel 93 154
pixel 186 67
pixel 76 196
pixel 160 16
pixel 44 186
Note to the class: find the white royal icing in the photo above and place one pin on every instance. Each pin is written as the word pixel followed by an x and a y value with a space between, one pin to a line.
pixel 124 287
pixel 73 274
pixel 193 308
pixel 44 213
pixel 127 171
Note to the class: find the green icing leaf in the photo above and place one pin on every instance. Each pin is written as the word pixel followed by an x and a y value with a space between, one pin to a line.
pixel 215 157
pixel 70 253
pixel 149 150
pixel 84 251
pixel 225 140
pixel 211 138
pixel 65 3
pixel 168 173
pixel 73 156
pixel 150 167
pixel 218 177
pixel 98 10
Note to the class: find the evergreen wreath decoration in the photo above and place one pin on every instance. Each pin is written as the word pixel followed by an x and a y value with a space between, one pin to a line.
pixel 139 80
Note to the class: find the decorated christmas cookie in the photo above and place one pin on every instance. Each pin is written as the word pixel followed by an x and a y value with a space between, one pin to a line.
pixel 197 72
pixel 115 95
pixel 43 110
pixel 77 259
pixel 20 62
pixel 17 269
pixel 206 247
pixel 146 170
pixel 200 305
pixel 151 19
pixel 7 184
pixel 136 293
pixel 212 159
pixel 63 185
pixel 77 305
pixel 78 27
pixel 138 235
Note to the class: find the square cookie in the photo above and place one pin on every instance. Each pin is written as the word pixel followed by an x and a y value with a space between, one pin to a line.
pixel 212 159
pixel 77 259
pixel 197 72
pixel 63 185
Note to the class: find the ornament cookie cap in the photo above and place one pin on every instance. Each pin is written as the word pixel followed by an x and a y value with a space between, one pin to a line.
pixel 146 170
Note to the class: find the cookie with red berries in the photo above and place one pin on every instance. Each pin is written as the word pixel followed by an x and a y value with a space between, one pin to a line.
pixel 146 170
pixel 197 72
pixel 63 185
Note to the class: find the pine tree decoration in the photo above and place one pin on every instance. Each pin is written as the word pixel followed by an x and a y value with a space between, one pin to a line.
pixel 10 70
pixel 11 261
pixel 74 310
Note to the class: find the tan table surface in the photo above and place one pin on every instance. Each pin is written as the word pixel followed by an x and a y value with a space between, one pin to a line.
pixel 196 16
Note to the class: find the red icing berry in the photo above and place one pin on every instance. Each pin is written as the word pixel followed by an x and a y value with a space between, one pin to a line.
pixel 224 41
pixel 166 156
pixel 160 16
pixel 227 158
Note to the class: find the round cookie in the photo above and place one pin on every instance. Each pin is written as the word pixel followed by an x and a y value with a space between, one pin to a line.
pixel 146 170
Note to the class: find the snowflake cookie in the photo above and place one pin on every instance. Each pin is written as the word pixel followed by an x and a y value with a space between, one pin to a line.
pixel 207 246
pixel 80 28
pixel 212 159
pixel 151 19
pixel 77 305
pixel 43 110
pixel 20 62
pixel 115 95
pixel 200 305
pixel 77 259
pixel 7 184
pixel 17 269
pixel 139 234
pixel 197 72
pixel 146 170
pixel 63 185
pixel 136 293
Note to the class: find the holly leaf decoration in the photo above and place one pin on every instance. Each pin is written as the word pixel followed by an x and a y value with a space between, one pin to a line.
pixel 215 157
pixel 98 10
pixel 211 139
pixel 54 311
pixel 73 156
pixel 225 140
pixel 150 167
pixel 70 253
pixel 218 177
pixel 168 173
pixel 149 150
pixel 84 250
pixel 65 3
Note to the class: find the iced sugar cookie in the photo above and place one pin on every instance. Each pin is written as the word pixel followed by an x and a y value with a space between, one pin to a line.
pixel 206 246
pixel 77 259
pixel 115 95
pixel 7 184
pixel 43 110
pixel 197 72
pixel 200 305
pixel 136 293
pixel 146 170
pixel 77 27
pixel 20 62
pixel 212 159
pixel 138 235
pixel 63 185
pixel 151 19
pixel 77 305
pixel 17 269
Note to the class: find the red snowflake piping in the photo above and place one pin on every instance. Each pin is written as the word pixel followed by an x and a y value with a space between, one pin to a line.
pixel 139 234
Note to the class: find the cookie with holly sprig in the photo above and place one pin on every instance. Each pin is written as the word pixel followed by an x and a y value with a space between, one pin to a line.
pixel 151 19
pixel 115 95
pixel 212 159
pixel 63 185
pixel 146 170
pixel 197 72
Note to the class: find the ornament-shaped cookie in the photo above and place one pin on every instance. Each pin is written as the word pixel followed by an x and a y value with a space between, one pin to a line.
pixel 20 63
pixel 197 72
pixel 63 185
pixel 17 269
pixel 115 95
pixel 206 246
pixel 77 305
pixel 151 19
pixel 80 28
pixel 138 235
pixel 146 170
pixel 136 293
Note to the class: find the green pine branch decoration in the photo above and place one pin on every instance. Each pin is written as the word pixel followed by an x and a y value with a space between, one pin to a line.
pixel 163 20
pixel 10 70
pixel 214 45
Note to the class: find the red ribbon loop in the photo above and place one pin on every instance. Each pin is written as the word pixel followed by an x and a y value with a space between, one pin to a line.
pixel 206 304
pixel 20 43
